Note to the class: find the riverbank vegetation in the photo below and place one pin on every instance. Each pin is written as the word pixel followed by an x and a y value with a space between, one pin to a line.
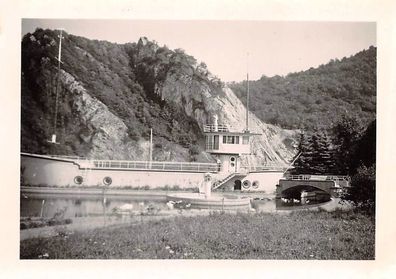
pixel 338 235
pixel 38 222
pixel 349 150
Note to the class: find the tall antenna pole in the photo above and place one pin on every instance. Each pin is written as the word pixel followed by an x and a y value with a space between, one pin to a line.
pixel 53 139
pixel 247 95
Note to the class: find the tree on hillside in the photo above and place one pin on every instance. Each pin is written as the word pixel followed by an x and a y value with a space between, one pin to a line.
pixel 366 147
pixel 363 162
pixel 317 96
pixel 316 155
pixel 322 160
pixel 302 163
pixel 346 133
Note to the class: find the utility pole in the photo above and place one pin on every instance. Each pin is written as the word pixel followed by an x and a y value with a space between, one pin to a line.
pixel 247 95
pixel 53 138
pixel 151 147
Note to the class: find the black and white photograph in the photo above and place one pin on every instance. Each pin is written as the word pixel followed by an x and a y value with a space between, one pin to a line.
pixel 133 147
pixel 214 138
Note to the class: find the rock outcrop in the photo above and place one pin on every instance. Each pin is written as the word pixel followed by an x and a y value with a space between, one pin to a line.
pixel 111 95
pixel 108 134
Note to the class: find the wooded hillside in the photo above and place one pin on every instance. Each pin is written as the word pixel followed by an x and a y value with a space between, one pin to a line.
pixel 316 98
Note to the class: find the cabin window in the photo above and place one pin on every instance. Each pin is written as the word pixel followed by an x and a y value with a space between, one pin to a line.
pixel 245 140
pixel 231 139
pixel 212 142
pixel 216 142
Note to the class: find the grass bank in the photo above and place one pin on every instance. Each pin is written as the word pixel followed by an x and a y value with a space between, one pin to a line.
pixel 299 235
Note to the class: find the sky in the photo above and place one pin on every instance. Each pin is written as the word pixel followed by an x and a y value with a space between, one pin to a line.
pixel 232 48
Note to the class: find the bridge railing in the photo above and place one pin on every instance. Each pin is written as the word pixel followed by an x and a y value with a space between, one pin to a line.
pixel 318 177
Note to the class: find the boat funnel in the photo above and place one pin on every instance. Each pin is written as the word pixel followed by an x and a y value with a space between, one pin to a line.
pixel 216 123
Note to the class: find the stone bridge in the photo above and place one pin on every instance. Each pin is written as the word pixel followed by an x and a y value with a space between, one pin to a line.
pixel 294 185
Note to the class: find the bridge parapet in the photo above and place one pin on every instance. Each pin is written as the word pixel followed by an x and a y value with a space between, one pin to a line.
pixel 327 184
pixel 319 177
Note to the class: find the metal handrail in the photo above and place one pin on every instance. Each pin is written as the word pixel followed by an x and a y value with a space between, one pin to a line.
pixel 155 165
pixel 320 177
pixel 68 157
pixel 269 166
pixel 210 146
pixel 217 128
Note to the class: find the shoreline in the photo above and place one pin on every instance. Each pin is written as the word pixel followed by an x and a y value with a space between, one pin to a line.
pixel 155 193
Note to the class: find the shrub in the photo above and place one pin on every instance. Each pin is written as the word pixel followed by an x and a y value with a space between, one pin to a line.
pixel 158 145
pixel 193 150
pixel 362 190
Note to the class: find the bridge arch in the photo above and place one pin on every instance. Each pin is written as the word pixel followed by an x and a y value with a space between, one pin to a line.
pixel 314 189
pixel 295 191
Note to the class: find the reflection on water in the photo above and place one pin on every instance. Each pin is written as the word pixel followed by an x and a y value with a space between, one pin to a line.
pixel 55 206
pixel 50 206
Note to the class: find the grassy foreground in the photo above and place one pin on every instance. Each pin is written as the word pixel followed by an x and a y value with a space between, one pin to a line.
pixel 300 235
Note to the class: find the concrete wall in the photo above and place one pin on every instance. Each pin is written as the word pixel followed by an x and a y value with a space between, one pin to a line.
pixel 52 172
pixel 267 182
pixel 40 171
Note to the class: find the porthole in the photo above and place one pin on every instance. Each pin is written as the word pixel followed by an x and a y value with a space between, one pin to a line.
pixel 246 184
pixel 232 159
pixel 107 180
pixel 255 184
pixel 78 180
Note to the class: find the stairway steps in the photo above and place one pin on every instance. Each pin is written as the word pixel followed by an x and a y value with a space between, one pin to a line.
pixel 226 179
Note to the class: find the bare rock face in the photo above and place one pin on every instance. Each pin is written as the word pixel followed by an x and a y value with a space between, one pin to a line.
pixel 200 102
pixel 195 97
pixel 92 128
pixel 108 134
pixel 269 146
pixel 109 138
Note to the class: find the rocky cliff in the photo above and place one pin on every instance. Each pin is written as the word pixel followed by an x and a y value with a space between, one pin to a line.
pixel 110 95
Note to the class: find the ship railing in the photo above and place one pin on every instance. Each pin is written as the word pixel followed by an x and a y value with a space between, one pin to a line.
pixel 210 146
pixel 265 167
pixel 156 165
pixel 218 128
pixel 68 157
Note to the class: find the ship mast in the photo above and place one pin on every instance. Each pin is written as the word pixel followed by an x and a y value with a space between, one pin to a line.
pixel 247 94
pixel 53 138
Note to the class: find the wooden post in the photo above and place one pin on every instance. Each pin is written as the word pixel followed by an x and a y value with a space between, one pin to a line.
pixel 151 147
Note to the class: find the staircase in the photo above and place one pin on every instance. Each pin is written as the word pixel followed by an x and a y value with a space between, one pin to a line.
pixel 219 183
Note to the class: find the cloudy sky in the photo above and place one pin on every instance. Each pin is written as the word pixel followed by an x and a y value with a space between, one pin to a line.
pixel 275 48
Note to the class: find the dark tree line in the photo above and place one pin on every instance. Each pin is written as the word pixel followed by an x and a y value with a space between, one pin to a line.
pixel 349 150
